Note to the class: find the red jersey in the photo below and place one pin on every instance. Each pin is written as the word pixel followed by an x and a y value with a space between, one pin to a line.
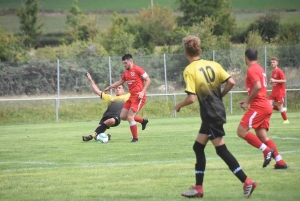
pixel 256 73
pixel 135 79
pixel 279 88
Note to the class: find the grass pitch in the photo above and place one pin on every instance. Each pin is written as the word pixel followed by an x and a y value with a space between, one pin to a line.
pixel 51 162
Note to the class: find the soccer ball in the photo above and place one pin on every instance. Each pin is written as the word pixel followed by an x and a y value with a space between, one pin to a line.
pixel 102 137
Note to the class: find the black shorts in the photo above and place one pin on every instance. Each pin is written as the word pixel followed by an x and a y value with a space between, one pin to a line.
pixel 212 132
pixel 117 120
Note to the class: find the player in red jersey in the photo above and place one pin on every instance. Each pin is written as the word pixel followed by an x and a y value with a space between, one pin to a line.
pixel 138 81
pixel 259 113
pixel 276 97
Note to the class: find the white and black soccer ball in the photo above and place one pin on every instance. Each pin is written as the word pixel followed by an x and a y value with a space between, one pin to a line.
pixel 102 137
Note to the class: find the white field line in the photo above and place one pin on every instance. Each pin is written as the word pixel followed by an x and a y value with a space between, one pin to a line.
pixel 56 165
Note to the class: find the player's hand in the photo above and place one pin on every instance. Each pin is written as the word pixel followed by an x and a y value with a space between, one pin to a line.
pixel 243 105
pixel 141 95
pixel 177 108
pixel 89 76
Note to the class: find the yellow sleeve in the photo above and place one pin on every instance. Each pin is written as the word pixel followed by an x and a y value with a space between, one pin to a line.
pixel 223 75
pixel 106 97
pixel 189 79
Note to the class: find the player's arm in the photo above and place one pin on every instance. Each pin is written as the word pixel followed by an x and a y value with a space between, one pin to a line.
pixel 189 99
pixel 256 87
pixel 114 85
pixel 272 80
pixel 228 86
pixel 147 82
pixel 94 86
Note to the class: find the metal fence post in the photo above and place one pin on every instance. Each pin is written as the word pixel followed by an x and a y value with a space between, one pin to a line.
pixel 109 69
pixel 174 104
pixel 213 55
pixel 230 102
pixel 58 90
pixel 166 82
pixel 265 57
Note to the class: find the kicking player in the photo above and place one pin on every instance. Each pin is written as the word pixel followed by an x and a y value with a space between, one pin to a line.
pixel 111 116
pixel 138 81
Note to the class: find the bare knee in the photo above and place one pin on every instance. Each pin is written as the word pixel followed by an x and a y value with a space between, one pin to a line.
pixel 242 131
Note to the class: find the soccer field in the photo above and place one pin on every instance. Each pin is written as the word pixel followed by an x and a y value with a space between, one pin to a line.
pixel 51 162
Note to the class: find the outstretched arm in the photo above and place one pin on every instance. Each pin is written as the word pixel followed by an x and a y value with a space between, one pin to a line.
pixel 114 85
pixel 94 86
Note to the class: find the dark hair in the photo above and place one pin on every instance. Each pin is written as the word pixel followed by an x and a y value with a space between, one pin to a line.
pixel 126 57
pixel 251 54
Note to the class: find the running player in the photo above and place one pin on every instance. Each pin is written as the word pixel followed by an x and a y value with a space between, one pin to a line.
pixel 259 113
pixel 203 79
pixel 276 97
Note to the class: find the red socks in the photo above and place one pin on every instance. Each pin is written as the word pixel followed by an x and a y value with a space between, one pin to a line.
pixel 134 131
pixel 138 119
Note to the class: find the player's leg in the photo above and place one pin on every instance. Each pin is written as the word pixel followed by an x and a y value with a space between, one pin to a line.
pixel 263 136
pixel 104 124
pixel 142 121
pixel 282 110
pixel 250 120
pixel 217 133
pixel 272 101
pixel 199 146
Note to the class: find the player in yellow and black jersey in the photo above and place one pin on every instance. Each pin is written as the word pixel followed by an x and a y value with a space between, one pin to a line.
pixel 111 117
pixel 203 80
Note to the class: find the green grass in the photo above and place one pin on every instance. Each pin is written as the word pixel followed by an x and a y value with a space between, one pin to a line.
pixel 50 162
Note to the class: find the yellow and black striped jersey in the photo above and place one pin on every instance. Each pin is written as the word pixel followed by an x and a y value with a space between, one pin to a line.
pixel 114 103
pixel 204 78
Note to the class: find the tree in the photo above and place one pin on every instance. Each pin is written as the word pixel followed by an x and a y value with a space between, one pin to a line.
pixel 194 11
pixel 267 25
pixel 74 22
pixel 153 26
pixel 30 29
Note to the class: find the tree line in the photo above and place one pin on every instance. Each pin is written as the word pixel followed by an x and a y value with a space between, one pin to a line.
pixel 153 27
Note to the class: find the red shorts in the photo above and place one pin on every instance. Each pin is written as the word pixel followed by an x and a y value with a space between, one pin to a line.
pixel 134 103
pixel 257 118
pixel 279 99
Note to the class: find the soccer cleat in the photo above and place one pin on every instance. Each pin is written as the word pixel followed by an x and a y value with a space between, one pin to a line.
pixel 134 140
pixel 277 166
pixel 193 193
pixel 249 187
pixel 286 122
pixel 144 123
pixel 268 157
pixel 87 138
pixel 109 136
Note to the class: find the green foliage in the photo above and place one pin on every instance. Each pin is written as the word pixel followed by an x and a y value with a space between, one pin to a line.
pixel 30 30
pixel 116 40
pixel 204 30
pixel 75 26
pixel 267 25
pixel 154 26
pixel 194 12
pixel 11 48
pixel 289 34
pixel 254 40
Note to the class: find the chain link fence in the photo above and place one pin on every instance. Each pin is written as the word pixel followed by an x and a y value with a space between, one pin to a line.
pixel 52 90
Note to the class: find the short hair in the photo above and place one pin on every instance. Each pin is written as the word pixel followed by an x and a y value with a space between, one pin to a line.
pixel 274 58
pixel 251 54
pixel 192 45
pixel 126 57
